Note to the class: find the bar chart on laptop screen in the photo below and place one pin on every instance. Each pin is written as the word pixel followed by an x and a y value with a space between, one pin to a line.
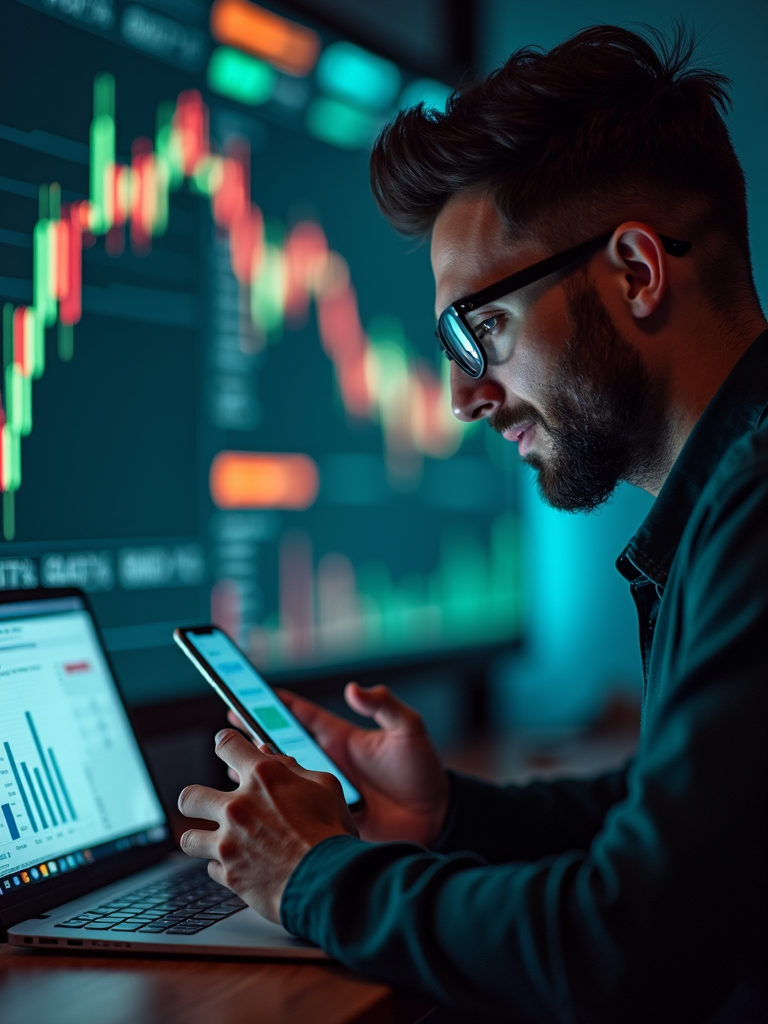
pixel 220 391
pixel 70 772
pixel 43 788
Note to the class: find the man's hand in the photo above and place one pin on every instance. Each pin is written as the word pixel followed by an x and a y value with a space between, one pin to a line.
pixel 396 768
pixel 278 812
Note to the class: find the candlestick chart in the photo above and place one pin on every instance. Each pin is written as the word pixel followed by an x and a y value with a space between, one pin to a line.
pixel 220 392
pixel 374 377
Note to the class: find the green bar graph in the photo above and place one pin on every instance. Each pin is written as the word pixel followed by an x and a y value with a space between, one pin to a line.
pixel 472 596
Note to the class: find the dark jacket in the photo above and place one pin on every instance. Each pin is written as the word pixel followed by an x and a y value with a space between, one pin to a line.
pixel 640 895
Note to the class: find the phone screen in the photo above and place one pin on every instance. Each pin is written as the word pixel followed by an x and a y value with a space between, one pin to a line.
pixel 257 697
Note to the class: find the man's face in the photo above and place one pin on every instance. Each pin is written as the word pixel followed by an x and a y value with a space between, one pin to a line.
pixel 562 382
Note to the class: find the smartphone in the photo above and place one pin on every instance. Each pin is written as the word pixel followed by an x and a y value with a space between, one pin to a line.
pixel 244 690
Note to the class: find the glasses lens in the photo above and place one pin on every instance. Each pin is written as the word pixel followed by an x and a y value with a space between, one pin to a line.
pixel 459 343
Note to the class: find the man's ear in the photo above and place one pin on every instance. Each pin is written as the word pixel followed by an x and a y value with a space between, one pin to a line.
pixel 637 253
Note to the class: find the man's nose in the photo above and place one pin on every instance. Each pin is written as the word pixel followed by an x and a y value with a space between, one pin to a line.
pixel 474 399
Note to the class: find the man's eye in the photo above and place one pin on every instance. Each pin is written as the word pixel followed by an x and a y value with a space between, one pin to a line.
pixel 486 326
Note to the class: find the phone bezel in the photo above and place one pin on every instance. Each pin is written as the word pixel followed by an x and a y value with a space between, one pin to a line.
pixel 210 674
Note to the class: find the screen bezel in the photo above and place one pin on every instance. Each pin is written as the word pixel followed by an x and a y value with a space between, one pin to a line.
pixel 30 901
pixel 221 687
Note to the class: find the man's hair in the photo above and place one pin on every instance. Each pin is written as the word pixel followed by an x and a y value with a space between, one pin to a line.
pixel 605 127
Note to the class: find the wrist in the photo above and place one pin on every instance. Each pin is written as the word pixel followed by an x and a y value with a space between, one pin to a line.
pixel 304 875
pixel 292 859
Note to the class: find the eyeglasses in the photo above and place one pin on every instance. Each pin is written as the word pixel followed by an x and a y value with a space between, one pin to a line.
pixel 460 340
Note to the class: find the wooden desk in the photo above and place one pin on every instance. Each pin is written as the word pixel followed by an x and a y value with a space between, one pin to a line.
pixel 71 989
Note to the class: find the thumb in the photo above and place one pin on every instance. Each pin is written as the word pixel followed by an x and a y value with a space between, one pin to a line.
pixel 290 762
pixel 380 704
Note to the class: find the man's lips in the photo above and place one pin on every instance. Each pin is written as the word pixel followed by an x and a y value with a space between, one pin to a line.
pixel 522 434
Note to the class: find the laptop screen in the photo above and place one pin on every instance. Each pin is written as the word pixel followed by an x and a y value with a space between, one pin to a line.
pixel 74 787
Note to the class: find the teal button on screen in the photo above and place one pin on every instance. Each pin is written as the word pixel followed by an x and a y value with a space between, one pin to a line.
pixel 270 718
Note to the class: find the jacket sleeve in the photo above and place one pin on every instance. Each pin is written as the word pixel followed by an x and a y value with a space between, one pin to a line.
pixel 506 823
pixel 657 918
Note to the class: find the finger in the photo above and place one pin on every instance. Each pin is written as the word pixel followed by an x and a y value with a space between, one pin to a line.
pixel 285 759
pixel 217 872
pixel 236 751
pixel 380 704
pixel 240 724
pixel 199 843
pixel 289 762
pixel 201 802
pixel 324 726
pixel 328 780
pixel 331 732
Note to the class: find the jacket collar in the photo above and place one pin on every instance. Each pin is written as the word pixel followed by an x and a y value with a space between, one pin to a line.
pixel 736 408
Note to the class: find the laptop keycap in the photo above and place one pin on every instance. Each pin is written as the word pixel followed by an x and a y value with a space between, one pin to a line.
pixel 182 905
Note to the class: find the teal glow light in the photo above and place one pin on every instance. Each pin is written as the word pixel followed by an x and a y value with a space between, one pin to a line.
pixel 340 124
pixel 349 73
pixel 429 91
pixel 240 77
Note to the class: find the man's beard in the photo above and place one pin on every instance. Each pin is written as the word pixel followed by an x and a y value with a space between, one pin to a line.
pixel 601 409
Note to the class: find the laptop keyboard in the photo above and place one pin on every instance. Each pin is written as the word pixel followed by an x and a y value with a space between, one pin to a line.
pixel 181 905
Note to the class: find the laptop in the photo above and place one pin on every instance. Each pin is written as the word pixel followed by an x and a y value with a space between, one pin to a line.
pixel 87 859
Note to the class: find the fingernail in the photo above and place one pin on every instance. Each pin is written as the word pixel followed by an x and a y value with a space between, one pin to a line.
pixel 220 735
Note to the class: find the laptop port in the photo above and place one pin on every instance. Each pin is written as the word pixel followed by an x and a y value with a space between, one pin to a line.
pixel 74 942
pixel 48 942
pixel 29 941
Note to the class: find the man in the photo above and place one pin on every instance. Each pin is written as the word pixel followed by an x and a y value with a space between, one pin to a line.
pixel 638 351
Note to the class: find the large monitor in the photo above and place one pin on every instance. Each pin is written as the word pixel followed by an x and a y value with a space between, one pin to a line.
pixel 221 394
